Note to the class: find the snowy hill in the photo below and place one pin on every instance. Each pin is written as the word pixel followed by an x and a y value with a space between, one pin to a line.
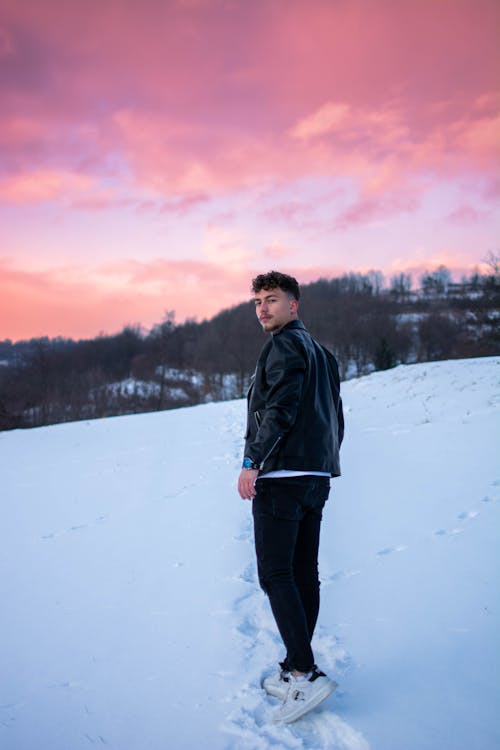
pixel 132 619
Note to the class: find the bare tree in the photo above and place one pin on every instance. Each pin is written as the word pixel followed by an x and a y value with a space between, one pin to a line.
pixel 436 283
pixel 492 260
pixel 401 285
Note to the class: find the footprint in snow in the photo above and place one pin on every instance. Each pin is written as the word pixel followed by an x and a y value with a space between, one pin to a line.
pixel 338 576
pixel 249 574
pixel 243 537
pixel 487 499
pixel 246 533
pixel 252 727
pixel 389 550
pixel 467 514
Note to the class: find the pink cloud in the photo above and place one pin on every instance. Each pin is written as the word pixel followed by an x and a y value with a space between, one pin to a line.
pixel 371 209
pixel 492 190
pixel 100 201
pixel 184 203
pixel 190 105
pixel 378 149
pixel 17 131
pixel 298 212
pixel 458 265
pixel 278 252
pixel 174 110
pixel 480 137
pixel 81 301
pixel 467 215
pixel 327 119
pixel 43 185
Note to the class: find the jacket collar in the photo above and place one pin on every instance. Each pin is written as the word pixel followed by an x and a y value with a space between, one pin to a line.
pixel 292 325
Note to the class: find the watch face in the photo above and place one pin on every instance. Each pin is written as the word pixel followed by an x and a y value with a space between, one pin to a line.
pixel 247 463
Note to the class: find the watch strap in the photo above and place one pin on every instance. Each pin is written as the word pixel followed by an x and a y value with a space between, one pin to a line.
pixel 249 464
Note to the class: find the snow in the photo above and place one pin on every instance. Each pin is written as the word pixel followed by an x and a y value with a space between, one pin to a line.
pixel 131 387
pixel 131 614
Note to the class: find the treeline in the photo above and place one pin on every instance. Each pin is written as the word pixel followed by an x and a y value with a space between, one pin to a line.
pixel 367 325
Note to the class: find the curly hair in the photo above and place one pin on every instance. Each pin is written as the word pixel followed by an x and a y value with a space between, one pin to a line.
pixel 276 280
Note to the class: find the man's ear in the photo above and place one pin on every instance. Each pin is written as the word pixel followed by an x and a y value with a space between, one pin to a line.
pixel 294 305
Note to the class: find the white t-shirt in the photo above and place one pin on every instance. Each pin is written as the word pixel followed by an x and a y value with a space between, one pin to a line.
pixel 279 473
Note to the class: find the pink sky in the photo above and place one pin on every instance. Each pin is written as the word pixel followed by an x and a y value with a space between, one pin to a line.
pixel 156 155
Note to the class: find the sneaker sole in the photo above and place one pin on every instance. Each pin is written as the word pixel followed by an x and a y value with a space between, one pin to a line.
pixel 305 707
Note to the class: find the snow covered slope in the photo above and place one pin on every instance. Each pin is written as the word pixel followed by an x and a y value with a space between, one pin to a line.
pixel 131 617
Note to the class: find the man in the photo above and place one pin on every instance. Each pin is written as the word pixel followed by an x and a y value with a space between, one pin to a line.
pixel 294 430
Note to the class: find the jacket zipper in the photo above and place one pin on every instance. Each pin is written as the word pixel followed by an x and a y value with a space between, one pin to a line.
pixel 270 451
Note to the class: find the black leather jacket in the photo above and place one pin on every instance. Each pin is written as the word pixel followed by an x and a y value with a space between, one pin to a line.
pixel 295 419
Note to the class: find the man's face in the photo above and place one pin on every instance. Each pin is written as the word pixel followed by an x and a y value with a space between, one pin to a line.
pixel 275 308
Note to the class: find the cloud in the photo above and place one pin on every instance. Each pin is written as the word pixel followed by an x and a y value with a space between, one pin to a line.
pixel 382 149
pixel 467 215
pixel 81 301
pixel 224 246
pixel 294 213
pixel 19 131
pixel 170 112
pixel 182 204
pixel 44 185
pixel 100 201
pixel 328 118
pixel 276 251
pixel 375 209
pixel 457 263
pixel 170 158
pixel 479 137
pixel 6 46
pixel 171 96
pixel 491 191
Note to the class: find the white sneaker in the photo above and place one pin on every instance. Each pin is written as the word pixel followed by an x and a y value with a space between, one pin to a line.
pixel 277 684
pixel 304 695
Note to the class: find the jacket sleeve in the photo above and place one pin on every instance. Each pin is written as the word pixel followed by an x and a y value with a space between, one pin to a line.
pixel 337 399
pixel 335 387
pixel 284 371
pixel 340 418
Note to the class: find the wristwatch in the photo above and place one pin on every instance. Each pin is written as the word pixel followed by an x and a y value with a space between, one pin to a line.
pixel 249 464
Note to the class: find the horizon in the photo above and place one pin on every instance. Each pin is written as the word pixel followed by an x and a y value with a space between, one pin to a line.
pixel 157 157
pixel 456 276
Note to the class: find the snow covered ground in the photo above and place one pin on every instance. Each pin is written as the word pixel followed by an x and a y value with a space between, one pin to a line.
pixel 131 617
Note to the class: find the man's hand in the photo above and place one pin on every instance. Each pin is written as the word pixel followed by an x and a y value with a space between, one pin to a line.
pixel 246 483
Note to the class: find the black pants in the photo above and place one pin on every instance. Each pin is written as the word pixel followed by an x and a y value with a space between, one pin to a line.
pixel 287 518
